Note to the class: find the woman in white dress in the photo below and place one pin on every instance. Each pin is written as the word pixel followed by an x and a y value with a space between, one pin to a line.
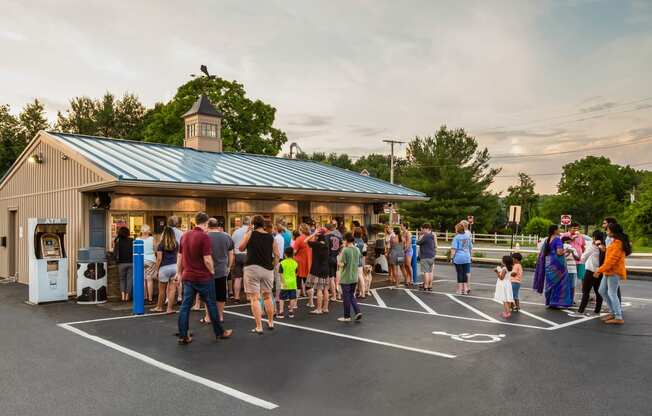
pixel 504 292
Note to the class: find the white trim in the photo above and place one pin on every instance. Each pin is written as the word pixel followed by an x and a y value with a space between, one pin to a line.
pixel 368 340
pixel 181 373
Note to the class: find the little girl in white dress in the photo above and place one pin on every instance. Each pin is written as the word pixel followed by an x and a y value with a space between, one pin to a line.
pixel 503 292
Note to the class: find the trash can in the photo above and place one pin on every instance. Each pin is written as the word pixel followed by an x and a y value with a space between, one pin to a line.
pixel 91 275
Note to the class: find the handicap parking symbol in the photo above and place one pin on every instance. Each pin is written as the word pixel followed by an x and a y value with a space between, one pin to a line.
pixel 473 338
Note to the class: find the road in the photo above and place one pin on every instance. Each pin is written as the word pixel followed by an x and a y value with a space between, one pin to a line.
pixel 413 353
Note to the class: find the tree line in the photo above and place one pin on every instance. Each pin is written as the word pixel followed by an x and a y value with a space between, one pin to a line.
pixel 449 166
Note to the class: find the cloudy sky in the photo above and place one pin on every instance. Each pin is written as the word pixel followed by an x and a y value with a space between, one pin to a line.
pixel 526 78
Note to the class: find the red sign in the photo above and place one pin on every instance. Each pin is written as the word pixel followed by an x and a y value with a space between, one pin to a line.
pixel 566 219
pixel 470 219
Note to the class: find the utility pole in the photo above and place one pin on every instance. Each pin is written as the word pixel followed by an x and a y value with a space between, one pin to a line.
pixel 391 164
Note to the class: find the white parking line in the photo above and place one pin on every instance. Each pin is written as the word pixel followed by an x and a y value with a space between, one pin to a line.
pixel 472 309
pixel 441 315
pixel 575 322
pixel 420 302
pixel 380 302
pixel 337 334
pixel 531 315
pixel 181 373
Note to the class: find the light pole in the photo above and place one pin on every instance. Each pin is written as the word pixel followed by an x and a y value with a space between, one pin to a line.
pixel 391 158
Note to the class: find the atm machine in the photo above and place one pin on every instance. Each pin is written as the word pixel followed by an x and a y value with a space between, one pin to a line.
pixel 48 262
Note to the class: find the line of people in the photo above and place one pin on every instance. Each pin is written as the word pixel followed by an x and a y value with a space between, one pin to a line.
pixel 266 261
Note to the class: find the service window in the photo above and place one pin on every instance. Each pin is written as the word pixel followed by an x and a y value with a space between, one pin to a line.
pixel 290 220
pixel 186 219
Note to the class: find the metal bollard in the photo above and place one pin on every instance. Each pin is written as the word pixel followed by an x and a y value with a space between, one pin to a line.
pixel 139 278
pixel 414 259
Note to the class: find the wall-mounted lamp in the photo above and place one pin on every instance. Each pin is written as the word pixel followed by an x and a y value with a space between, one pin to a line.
pixel 64 157
pixel 36 158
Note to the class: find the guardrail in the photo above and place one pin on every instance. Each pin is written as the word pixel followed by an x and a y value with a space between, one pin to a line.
pixel 535 251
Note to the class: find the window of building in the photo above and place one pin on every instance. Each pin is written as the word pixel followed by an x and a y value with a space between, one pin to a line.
pixel 207 130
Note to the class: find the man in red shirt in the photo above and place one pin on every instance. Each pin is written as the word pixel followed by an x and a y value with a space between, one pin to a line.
pixel 195 269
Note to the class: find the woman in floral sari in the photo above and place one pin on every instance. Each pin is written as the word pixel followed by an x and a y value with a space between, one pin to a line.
pixel 551 269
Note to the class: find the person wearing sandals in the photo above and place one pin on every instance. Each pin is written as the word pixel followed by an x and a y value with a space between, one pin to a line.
pixel 396 254
pixel 223 259
pixel 166 263
pixel 614 271
pixel 196 269
pixel 151 271
pixel 318 278
pixel 258 273
pixel 461 257
pixel 288 270
pixel 406 268
pixel 427 248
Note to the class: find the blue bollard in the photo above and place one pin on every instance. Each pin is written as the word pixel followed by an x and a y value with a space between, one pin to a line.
pixel 414 259
pixel 139 278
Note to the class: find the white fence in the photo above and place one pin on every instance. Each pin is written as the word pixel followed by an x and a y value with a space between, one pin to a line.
pixel 498 239
pixel 445 249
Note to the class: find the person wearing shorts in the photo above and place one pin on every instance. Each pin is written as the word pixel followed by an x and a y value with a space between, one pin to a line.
pixel 258 276
pixel 223 258
pixel 427 247
pixel 288 270
pixel 318 278
pixel 334 242
pixel 166 263
pixel 240 257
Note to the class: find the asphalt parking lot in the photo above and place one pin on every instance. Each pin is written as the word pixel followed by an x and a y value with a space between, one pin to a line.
pixel 413 353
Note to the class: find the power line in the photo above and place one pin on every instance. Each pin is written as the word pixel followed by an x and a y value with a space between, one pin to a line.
pixel 559 173
pixel 605 111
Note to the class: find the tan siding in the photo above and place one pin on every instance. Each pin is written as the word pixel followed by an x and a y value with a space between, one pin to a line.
pixel 45 190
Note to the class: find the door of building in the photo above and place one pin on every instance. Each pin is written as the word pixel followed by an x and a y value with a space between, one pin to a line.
pixel 97 228
pixel 12 243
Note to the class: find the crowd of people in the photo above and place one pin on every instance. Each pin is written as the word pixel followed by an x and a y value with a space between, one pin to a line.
pixel 274 266
pixel 270 264
pixel 573 260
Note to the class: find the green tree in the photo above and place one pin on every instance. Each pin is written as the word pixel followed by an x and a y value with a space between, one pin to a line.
pixel 451 169
pixel 32 120
pixel 537 226
pixel 523 194
pixel 341 161
pixel 378 166
pixel 80 118
pixel 247 125
pixel 638 215
pixel 108 117
pixel 592 188
pixel 9 134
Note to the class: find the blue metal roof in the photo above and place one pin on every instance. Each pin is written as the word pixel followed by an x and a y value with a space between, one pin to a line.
pixel 153 162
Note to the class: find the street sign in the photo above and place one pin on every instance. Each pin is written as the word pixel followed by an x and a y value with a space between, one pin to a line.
pixel 515 214
pixel 470 219
pixel 566 219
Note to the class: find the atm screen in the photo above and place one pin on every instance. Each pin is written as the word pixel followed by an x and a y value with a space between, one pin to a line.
pixel 50 246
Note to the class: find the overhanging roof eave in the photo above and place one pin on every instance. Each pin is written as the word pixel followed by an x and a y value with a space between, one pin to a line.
pixel 257 189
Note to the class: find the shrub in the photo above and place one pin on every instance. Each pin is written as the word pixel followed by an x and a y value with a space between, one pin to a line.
pixel 529 261
pixel 538 226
